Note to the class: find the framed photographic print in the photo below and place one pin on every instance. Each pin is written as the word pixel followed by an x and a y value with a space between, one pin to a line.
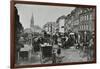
pixel 50 34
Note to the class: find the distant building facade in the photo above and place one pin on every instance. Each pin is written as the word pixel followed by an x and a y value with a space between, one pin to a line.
pixel 34 28
pixel 68 23
pixel 50 27
pixel 86 25
pixel 72 20
pixel 80 20
pixel 60 22
pixel 87 19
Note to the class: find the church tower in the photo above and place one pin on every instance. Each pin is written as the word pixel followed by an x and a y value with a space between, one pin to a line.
pixel 32 21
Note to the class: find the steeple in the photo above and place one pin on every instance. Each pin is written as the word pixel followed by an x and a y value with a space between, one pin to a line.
pixel 32 21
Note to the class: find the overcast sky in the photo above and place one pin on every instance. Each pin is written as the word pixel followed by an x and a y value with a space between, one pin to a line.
pixel 41 13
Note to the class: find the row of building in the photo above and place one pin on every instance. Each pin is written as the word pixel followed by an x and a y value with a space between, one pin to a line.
pixel 80 20
pixel 50 27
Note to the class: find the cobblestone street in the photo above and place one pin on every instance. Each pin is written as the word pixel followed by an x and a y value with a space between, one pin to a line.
pixel 69 55
pixel 73 55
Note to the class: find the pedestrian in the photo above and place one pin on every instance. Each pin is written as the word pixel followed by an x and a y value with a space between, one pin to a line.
pixel 59 57
pixel 90 50
pixel 55 39
pixel 53 57
pixel 65 43
pixel 59 51
pixel 85 49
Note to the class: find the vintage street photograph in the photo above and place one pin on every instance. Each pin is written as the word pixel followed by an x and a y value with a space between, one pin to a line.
pixel 53 34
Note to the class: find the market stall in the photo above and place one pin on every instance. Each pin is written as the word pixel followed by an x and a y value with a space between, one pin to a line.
pixel 46 51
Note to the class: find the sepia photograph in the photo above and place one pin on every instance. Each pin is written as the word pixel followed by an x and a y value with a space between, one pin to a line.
pixel 50 34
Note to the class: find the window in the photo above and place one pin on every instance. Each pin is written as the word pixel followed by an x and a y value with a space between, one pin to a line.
pixel 82 27
pixel 87 17
pixel 90 16
pixel 86 27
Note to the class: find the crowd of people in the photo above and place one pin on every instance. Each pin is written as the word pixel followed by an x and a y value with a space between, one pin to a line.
pixel 62 41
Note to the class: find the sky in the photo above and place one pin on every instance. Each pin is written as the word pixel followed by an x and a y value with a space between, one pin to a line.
pixel 41 13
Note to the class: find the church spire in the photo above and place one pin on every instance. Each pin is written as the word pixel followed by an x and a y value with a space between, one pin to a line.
pixel 32 21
